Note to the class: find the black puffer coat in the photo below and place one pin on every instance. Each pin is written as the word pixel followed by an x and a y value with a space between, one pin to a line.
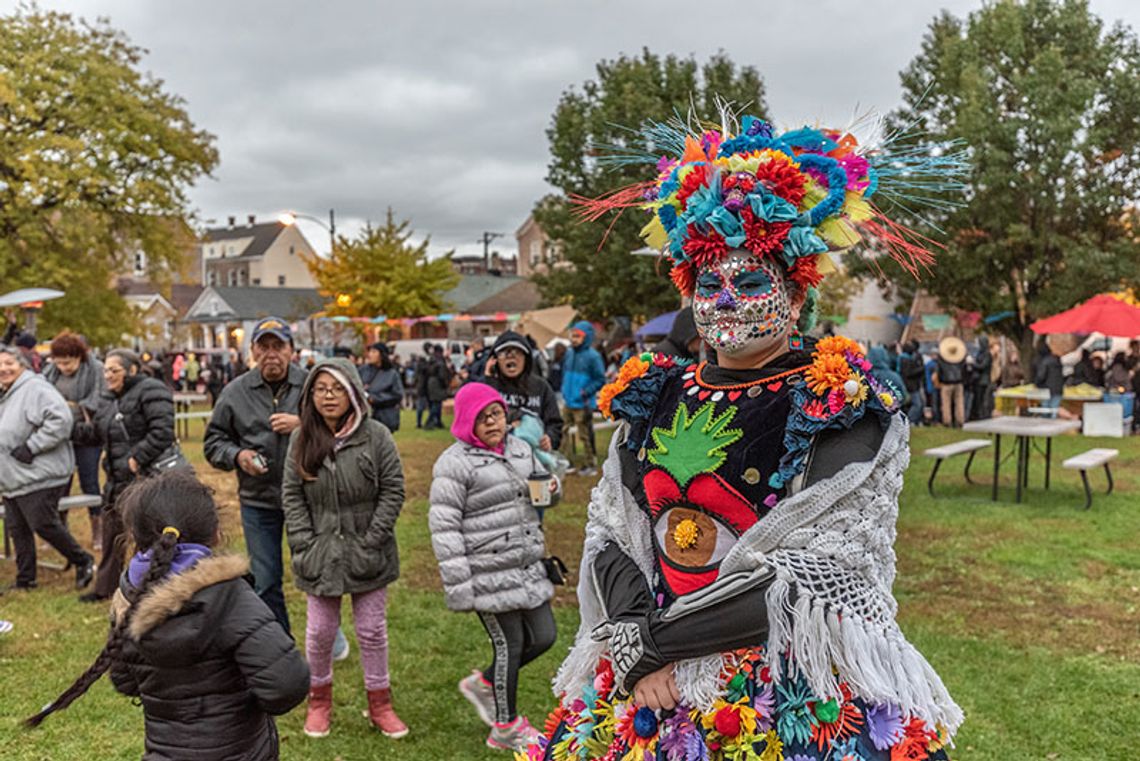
pixel 138 422
pixel 210 665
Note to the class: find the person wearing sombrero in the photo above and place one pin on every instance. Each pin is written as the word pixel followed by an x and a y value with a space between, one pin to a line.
pixel 735 585
pixel 950 378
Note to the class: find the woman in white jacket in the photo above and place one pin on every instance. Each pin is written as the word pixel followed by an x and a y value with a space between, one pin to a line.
pixel 35 467
pixel 489 543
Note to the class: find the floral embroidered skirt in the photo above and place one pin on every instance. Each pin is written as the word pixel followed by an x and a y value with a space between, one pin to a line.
pixel 756 719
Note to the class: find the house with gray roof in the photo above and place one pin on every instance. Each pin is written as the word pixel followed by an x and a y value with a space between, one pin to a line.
pixel 257 255
pixel 223 317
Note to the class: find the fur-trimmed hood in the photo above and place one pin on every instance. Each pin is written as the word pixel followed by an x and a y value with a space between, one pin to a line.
pixel 171 595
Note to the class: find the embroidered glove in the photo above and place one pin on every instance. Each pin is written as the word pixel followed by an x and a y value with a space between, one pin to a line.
pixel 23 454
pixel 626 648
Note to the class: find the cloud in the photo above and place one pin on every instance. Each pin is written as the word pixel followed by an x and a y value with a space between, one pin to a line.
pixel 439 108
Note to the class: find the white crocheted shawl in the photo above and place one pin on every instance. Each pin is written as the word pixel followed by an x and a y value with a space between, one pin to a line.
pixel 830 606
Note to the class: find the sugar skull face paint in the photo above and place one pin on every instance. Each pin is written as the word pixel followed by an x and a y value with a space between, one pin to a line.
pixel 742 304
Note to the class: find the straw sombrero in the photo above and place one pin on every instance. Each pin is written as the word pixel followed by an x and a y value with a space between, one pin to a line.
pixel 952 349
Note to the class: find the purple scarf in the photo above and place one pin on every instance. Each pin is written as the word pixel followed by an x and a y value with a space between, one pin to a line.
pixel 186 555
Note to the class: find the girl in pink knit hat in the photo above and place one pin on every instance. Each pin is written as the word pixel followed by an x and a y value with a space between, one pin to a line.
pixel 490 547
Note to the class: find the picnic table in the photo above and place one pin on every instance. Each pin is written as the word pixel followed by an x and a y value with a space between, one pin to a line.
pixel 1024 429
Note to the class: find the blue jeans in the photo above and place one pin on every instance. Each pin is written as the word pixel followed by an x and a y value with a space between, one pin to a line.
pixel 421 408
pixel 435 414
pixel 264 530
pixel 915 410
pixel 87 463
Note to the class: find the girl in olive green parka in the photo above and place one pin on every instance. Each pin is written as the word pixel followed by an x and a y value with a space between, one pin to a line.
pixel 342 493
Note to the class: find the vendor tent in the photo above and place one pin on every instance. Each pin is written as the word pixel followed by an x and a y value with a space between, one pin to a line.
pixel 545 324
pixel 1101 314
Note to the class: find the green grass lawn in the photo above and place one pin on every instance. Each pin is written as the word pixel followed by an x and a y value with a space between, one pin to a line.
pixel 1029 612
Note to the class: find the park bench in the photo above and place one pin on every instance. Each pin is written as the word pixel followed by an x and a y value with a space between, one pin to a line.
pixel 945 452
pixel 1086 461
pixel 67 503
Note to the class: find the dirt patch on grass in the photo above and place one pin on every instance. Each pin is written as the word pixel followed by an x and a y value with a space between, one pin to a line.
pixel 979 601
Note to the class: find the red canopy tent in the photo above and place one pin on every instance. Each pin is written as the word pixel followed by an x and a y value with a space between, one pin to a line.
pixel 1101 314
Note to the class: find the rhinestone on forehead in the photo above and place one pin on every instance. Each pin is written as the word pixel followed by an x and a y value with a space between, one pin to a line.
pixel 732 321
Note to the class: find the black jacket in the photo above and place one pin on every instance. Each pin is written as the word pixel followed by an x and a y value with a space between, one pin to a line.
pixel 1049 374
pixel 913 371
pixel 437 378
pixel 210 665
pixel 138 423
pixel 241 421
pixel 528 392
pixel 682 333
pixel 385 393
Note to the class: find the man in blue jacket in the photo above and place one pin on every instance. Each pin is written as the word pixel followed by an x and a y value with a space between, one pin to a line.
pixel 583 375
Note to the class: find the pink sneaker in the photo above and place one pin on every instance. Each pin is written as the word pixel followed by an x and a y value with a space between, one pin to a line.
pixel 476 689
pixel 515 735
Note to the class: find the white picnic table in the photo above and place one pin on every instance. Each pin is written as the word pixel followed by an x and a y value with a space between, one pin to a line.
pixel 1024 429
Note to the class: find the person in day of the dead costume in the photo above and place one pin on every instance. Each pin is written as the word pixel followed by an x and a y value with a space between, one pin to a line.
pixel 735 586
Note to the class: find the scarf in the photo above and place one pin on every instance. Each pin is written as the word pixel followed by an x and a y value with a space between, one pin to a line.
pixel 186 555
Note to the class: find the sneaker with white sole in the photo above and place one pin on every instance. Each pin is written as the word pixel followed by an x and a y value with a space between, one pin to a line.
pixel 476 689
pixel 515 735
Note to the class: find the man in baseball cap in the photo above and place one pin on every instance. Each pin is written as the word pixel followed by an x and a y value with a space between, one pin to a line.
pixel 249 432
pixel 272 326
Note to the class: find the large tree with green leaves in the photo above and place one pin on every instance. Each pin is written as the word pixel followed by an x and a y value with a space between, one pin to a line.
pixel 603 279
pixel 382 272
pixel 96 159
pixel 1048 101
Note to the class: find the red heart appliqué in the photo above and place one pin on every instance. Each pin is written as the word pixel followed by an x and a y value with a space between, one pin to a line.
pixel 775 386
pixel 734 395
pixel 702 395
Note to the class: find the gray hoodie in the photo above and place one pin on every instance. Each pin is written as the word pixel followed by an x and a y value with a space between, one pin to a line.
pixel 34 413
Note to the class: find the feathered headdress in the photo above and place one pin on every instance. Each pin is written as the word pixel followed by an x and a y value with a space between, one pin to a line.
pixel 791 197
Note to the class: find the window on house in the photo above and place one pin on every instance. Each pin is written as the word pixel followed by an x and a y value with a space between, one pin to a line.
pixel 211 278
pixel 231 280
pixel 280 280
pixel 292 250
pixel 535 252
pixel 257 281
pixel 140 263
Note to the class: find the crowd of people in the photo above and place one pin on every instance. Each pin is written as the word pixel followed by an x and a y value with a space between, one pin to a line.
pixel 317 469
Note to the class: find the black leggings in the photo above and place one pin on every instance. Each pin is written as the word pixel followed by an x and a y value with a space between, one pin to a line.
pixel 518 637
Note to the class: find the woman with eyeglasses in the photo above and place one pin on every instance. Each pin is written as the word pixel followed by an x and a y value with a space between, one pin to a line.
pixel 489 543
pixel 342 493
pixel 135 425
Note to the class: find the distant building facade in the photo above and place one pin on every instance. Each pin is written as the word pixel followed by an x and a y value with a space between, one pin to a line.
pixel 255 255
pixel 474 264
pixel 537 254
pixel 223 317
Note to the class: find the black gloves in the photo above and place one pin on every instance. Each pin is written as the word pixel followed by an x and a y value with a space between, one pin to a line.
pixel 23 454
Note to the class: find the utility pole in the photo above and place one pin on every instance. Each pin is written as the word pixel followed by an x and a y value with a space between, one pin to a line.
pixel 486 241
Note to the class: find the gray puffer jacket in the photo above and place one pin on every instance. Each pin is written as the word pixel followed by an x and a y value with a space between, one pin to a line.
pixel 484 531
pixel 341 524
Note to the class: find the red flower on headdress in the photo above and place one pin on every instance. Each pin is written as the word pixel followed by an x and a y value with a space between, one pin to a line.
pixel 704 249
pixel 694 180
pixel 783 179
pixel 805 272
pixel 762 237
pixel 684 276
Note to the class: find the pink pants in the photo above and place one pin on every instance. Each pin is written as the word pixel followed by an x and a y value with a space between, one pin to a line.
pixel 370 617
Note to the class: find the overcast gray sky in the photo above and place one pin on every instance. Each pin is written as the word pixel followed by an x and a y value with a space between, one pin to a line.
pixel 439 109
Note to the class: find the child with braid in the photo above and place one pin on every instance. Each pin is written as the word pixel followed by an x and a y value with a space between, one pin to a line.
pixel 190 638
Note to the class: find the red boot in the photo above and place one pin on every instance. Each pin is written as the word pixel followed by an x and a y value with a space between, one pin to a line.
pixel 383 716
pixel 318 716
